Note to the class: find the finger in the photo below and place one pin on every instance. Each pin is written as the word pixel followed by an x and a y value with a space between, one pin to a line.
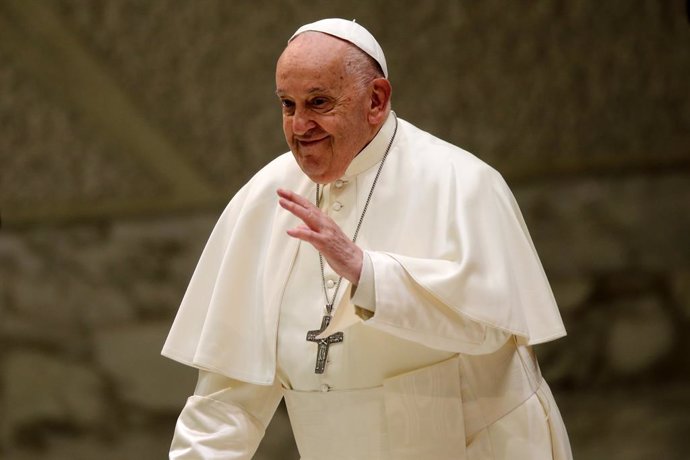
pixel 305 234
pixel 310 216
pixel 300 232
pixel 294 197
pixel 313 215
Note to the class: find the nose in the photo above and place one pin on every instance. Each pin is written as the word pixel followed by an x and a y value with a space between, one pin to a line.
pixel 301 122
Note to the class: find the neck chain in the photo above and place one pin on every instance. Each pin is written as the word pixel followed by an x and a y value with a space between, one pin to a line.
pixel 330 301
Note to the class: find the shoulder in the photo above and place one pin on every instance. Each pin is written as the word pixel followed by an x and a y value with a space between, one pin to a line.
pixel 437 161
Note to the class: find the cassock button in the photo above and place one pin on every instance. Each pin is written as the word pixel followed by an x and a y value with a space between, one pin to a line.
pixel 339 183
pixel 337 206
pixel 325 388
pixel 330 284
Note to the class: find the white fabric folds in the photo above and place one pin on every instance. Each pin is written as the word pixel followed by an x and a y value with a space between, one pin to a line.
pixel 441 219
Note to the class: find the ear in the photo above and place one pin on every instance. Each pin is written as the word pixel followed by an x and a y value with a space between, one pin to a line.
pixel 381 91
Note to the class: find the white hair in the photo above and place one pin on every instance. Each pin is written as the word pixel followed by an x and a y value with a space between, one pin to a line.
pixel 361 66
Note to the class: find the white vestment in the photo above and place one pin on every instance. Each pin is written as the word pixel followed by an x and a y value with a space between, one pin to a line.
pixel 442 370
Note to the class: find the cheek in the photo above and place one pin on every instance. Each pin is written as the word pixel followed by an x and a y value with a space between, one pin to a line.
pixel 287 131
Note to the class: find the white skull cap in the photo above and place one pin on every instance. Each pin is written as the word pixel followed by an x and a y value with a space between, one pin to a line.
pixel 349 31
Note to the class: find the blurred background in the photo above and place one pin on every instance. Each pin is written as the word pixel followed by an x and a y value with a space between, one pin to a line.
pixel 126 125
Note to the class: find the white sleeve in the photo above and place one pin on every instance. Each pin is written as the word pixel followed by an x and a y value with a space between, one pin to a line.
pixel 364 294
pixel 406 309
pixel 224 419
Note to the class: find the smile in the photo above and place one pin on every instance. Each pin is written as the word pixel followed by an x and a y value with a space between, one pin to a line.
pixel 309 143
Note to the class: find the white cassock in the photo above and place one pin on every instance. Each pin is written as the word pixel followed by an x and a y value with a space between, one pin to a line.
pixel 443 369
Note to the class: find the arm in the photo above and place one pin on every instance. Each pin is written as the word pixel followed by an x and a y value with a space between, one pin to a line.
pixel 402 307
pixel 224 419
pixel 467 290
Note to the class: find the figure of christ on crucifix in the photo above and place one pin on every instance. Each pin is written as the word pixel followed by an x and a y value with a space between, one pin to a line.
pixel 323 343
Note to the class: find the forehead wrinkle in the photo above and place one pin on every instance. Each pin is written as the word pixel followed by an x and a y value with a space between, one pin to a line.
pixel 318 89
pixel 315 59
pixel 310 48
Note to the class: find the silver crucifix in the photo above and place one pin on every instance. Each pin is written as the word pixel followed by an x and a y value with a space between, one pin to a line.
pixel 323 343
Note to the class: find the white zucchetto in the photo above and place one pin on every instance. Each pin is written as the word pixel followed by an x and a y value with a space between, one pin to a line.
pixel 351 32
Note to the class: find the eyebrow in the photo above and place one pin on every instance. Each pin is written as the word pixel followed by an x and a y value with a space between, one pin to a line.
pixel 315 89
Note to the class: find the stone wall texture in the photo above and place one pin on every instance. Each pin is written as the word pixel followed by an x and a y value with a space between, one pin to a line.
pixel 125 125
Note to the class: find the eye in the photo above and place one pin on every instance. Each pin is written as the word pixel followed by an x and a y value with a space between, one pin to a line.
pixel 321 103
pixel 287 105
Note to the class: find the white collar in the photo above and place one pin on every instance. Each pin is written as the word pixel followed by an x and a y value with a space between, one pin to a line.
pixel 373 153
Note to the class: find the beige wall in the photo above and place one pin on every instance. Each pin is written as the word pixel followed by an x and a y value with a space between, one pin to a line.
pixel 126 125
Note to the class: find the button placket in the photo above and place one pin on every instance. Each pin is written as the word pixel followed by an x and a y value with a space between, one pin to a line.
pixel 337 192
pixel 341 199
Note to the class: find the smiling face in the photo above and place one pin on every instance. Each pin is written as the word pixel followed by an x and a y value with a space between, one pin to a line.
pixel 326 108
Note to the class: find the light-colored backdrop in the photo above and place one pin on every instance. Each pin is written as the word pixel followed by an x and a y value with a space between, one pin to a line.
pixel 126 125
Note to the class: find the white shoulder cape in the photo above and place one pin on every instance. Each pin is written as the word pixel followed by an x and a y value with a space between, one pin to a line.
pixel 442 214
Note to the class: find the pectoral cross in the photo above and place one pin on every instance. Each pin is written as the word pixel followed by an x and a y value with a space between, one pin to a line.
pixel 324 343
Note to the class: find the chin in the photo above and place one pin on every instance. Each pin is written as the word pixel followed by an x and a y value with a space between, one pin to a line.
pixel 319 178
pixel 312 169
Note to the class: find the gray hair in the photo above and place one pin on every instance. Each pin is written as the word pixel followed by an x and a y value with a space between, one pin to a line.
pixel 361 66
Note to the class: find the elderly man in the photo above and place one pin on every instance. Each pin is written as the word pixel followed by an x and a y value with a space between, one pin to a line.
pixel 390 292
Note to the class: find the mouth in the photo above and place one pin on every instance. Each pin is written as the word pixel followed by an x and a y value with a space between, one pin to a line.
pixel 310 142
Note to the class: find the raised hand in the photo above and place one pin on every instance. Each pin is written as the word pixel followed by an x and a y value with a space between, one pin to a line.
pixel 319 230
